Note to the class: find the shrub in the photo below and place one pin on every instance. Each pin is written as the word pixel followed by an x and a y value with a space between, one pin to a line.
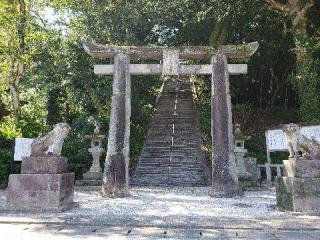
pixel 76 147
pixel 5 159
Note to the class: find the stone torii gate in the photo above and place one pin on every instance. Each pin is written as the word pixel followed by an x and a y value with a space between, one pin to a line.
pixel 224 172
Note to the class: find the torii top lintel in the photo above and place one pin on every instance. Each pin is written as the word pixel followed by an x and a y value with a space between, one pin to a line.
pixel 156 53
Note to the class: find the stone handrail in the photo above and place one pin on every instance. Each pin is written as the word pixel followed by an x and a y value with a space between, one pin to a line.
pixel 268 167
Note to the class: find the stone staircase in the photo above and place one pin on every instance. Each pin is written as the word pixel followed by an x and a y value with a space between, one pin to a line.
pixel 172 153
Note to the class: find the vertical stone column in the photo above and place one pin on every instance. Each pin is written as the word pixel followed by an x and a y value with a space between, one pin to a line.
pixel 116 174
pixel 268 172
pixel 224 170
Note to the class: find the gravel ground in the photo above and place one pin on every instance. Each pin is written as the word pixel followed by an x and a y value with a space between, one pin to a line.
pixel 157 213
pixel 174 208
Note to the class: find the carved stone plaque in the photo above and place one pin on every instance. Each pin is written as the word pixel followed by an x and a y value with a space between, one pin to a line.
pixel 22 148
pixel 171 62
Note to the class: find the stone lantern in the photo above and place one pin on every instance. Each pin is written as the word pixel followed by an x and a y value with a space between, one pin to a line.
pixel 246 166
pixel 94 176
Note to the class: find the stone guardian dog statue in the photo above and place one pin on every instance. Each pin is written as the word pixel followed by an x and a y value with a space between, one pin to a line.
pixel 310 148
pixel 53 139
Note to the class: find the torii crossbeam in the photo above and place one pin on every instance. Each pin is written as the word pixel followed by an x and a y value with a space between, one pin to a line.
pixel 116 174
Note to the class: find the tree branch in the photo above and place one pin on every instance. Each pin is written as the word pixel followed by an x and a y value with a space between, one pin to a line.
pixel 307 7
pixel 278 6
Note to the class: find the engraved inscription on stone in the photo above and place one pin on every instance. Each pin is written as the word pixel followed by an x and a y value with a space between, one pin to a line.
pixel 171 65
pixel 22 148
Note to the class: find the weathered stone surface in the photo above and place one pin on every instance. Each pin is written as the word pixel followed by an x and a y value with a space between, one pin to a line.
pixel 156 69
pixel 224 170
pixel 298 194
pixel 302 168
pixel 190 52
pixel 239 158
pixel 171 66
pixel 284 193
pixel 250 165
pixel 116 174
pixel 92 175
pixel 54 139
pixel 44 164
pixel 297 143
pixel 89 182
pixel 40 191
pixel 90 179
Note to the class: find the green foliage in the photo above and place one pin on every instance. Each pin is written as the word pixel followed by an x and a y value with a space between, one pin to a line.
pixel 58 83
pixel 5 159
pixel 219 33
pixel 76 146
pixel 260 156
pixel 144 92
pixel 242 113
pixel 8 129
pixel 56 106
pixel 307 81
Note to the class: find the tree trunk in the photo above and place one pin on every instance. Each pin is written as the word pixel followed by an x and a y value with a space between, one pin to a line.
pixel 16 71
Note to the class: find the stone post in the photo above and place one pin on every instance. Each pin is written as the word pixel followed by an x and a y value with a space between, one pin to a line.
pixel 268 172
pixel 278 171
pixel 116 173
pixel 224 171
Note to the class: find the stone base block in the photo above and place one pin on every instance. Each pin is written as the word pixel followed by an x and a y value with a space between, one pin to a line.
pixel 51 164
pixel 302 168
pixel 90 179
pixel 40 191
pixel 250 165
pixel 88 182
pixel 93 175
pixel 298 194
pixel 245 184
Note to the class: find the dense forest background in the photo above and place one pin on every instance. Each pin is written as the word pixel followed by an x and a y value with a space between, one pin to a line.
pixel 46 77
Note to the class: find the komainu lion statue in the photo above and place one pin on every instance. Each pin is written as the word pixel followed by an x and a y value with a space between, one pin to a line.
pixel 53 140
pixel 310 148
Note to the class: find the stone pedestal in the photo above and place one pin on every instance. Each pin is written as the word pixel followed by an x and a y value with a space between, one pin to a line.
pixel 90 179
pixel 239 154
pixel 250 164
pixel 299 190
pixel 43 185
pixel 250 177
pixel 44 164
pixel 40 191
pixel 302 168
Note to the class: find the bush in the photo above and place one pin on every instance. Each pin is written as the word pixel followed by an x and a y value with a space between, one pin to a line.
pixel 307 82
pixel 76 147
pixel 5 159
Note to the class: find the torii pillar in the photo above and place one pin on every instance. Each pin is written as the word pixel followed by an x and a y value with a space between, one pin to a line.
pixel 115 180
pixel 224 172
pixel 224 169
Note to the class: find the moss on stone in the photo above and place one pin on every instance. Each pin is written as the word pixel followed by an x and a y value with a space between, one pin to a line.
pixel 284 197
pixel 303 190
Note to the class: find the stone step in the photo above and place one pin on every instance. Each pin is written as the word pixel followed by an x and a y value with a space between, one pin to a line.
pixel 88 182
pixel 168 154
pixel 165 162
pixel 180 164
pixel 181 145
